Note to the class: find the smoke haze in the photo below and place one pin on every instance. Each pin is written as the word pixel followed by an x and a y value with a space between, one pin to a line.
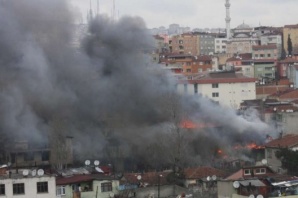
pixel 107 94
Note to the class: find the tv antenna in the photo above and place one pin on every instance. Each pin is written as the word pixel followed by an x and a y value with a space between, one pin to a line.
pixel 33 173
pixel 40 172
pixel 236 184
pixel 25 172
pixel 87 162
pixel 139 177
pixel 264 161
pixel 214 177
pixel 96 162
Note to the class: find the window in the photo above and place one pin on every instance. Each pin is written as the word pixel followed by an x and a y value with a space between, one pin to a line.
pixel 260 171
pixel 42 187
pixel 215 95
pixel 196 88
pixel 269 55
pixel 60 190
pixel 188 70
pixel 106 187
pixel 18 188
pixel 215 85
pixel 246 171
pixel 2 189
pixel 45 156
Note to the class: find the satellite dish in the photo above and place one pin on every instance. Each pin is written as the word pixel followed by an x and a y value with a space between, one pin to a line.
pixel 99 170
pixel 87 162
pixel 139 177
pixel 264 161
pixel 213 177
pixel 96 162
pixel 40 172
pixel 25 172
pixel 260 196
pixel 251 196
pixel 111 195
pixel 236 184
pixel 33 173
pixel 208 178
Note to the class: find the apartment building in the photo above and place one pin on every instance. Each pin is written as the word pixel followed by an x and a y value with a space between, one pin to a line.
pixel 292 31
pixel 226 88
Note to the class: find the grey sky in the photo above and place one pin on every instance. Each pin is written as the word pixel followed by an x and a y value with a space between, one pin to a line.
pixel 199 13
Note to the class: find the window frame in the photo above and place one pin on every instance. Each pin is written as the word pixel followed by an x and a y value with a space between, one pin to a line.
pixel 41 188
pixel 61 190
pixel 18 189
pixel 247 172
pixel 215 85
pixel 2 189
pixel 215 94
pixel 106 187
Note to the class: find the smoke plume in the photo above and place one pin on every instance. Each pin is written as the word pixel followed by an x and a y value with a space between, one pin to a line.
pixel 107 93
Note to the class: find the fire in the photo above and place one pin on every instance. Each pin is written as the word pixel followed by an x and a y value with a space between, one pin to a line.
pixel 188 124
pixel 248 146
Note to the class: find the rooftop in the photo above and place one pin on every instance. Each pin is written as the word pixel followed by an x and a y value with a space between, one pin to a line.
pixel 286 141
pixel 203 172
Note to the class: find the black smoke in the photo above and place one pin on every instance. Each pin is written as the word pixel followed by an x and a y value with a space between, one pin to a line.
pixel 107 93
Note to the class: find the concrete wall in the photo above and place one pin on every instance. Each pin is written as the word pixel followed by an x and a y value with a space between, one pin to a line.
pixel 96 187
pixel 230 94
pixel 30 184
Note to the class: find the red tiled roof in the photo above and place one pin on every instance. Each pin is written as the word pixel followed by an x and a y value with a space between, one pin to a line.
pixel 286 94
pixel 289 60
pixel 233 59
pixel 73 179
pixel 203 172
pixel 264 47
pixel 286 141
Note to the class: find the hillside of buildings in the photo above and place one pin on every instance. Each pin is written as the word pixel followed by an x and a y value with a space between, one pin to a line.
pixel 91 111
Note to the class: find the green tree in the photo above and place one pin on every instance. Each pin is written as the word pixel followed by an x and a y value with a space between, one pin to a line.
pixel 290 46
pixel 289 159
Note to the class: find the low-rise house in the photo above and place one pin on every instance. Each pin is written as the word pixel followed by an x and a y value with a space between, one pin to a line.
pixel 87 186
pixel 252 180
pixel 26 183
pixel 149 184
pixel 202 180
pixel 289 141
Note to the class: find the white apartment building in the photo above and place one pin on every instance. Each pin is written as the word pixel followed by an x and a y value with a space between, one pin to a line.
pixel 227 88
pixel 220 45
pixel 18 185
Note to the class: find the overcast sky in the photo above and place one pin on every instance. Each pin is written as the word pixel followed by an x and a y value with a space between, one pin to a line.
pixel 198 13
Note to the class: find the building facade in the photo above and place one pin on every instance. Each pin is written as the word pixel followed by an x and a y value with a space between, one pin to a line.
pixel 292 31
pixel 226 88
pixel 18 185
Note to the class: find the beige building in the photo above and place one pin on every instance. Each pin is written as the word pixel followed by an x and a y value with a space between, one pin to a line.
pixel 27 186
pixel 226 88
pixel 187 43
pixel 291 30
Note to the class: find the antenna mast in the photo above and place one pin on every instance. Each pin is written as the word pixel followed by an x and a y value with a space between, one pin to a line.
pixel 97 8
pixel 113 10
